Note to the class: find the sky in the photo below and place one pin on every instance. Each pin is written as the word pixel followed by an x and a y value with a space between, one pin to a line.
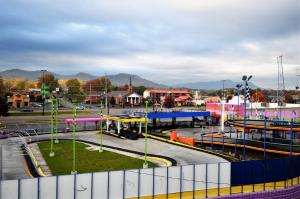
pixel 166 41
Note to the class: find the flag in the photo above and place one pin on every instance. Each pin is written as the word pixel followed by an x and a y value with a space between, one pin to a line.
pixel 247 92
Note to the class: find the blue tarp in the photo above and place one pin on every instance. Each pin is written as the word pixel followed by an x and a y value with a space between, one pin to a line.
pixel 178 114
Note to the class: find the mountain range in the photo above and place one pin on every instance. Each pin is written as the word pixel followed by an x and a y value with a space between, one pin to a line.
pixel 117 79
pixel 213 85
pixel 121 79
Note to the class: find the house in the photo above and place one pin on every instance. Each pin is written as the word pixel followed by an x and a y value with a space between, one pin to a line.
pixel 158 95
pixel 18 100
pixel 184 100
pixel 124 98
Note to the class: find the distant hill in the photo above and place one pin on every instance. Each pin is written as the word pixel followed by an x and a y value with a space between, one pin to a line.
pixel 117 80
pixel 213 85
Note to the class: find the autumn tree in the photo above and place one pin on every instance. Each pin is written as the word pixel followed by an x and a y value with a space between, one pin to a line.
pixel 169 102
pixel 97 85
pixel 3 102
pixel 49 80
pixel 258 97
pixel 74 92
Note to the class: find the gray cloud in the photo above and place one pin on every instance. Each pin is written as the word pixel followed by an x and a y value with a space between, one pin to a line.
pixel 166 41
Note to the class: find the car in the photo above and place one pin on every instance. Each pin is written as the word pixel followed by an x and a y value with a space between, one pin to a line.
pixel 80 107
pixel 26 109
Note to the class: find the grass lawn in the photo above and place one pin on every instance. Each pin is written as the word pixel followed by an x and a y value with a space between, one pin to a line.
pixel 86 161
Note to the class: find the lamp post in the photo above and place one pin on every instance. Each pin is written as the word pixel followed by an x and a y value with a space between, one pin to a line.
pixel 56 118
pixel 51 154
pixel 245 79
pixel 238 86
pixel 74 141
pixel 145 165
pixel 43 71
pixel 223 107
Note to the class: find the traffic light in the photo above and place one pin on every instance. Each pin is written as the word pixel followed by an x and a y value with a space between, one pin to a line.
pixel 44 89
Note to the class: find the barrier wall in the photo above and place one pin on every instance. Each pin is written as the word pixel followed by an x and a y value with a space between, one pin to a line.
pixel 121 184
pixel 263 171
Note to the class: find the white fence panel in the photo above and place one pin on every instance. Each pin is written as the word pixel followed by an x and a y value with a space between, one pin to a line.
pixel 100 185
pixel 160 180
pixel 146 182
pixel 116 184
pixel 83 186
pixel 28 188
pixel 174 179
pixel 66 187
pixel 48 187
pixel 187 178
pixel 131 181
pixel 225 174
pixel 200 176
pixel 212 176
pixel 9 189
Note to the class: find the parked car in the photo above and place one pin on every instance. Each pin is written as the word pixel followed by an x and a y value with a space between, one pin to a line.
pixel 80 107
pixel 26 109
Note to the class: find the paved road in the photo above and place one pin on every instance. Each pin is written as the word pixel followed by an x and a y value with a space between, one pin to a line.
pixel 183 156
pixel 13 167
pixel 12 160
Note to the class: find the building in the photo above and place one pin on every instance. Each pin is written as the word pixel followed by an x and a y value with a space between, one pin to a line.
pixel 18 100
pixel 93 97
pixel 185 100
pixel 158 95
pixel 125 97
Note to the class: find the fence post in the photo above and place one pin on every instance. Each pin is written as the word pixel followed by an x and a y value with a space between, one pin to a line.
pixel 75 178
pixel 167 182
pixel 206 180
pixel 92 185
pixel 38 188
pixel 124 183
pixel 218 178
pixel 19 188
pixel 153 182
pixel 139 181
pixel 194 169
pixel 56 188
pixel 180 183
pixel 108 185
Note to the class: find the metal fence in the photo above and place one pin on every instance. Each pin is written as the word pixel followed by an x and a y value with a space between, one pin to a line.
pixel 191 181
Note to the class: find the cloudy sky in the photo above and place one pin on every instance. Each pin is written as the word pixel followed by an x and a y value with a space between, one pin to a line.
pixel 167 41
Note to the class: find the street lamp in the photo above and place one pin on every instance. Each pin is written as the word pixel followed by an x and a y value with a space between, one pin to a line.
pixel 245 79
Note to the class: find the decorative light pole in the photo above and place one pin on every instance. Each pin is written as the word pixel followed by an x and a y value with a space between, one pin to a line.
pixel 101 132
pixel 74 141
pixel 56 118
pixel 238 86
pixel 51 154
pixel 245 79
pixel 145 165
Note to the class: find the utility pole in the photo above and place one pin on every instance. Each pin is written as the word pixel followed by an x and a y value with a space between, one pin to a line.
pixel 106 101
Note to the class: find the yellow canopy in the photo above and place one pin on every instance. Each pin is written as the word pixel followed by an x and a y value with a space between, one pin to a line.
pixel 127 120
